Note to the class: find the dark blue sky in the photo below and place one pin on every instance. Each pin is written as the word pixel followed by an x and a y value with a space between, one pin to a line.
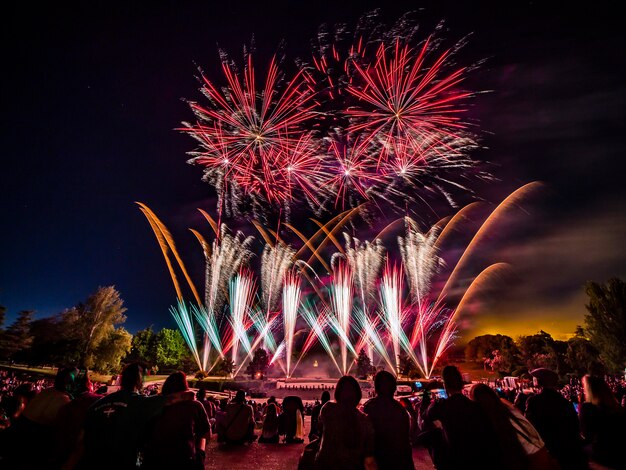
pixel 91 93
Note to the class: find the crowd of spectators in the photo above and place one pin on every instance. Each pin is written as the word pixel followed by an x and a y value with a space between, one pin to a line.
pixel 544 426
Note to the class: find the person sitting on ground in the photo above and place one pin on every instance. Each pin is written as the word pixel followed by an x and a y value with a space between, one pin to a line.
pixel 238 424
pixel 178 435
pixel 392 425
pixel 555 419
pixel 460 436
pixel 116 423
pixel 269 432
pixel 315 431
pixel 603 423
pixel 347 441
pixel 519 442
pixel 291 421
pixel 209 407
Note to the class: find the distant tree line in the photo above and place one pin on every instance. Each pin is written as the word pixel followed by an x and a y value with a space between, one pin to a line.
pixel 597 347
pixel 88 335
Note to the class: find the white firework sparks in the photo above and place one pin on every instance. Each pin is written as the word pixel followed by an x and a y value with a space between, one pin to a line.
pixel 229 253
pixel 275 262
pixel 365 261
pixel 419 258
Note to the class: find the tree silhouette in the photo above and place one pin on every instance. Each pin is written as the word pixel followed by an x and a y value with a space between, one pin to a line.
pixel 17 337
pixel 363 365
pixel 605 324
pixel 259 364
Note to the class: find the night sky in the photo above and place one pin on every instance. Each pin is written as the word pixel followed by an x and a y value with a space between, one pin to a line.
pixel 92 93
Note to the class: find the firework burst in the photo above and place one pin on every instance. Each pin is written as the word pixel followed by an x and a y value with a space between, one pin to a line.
pixel 402 97
pixel 246 135
pixel 372 116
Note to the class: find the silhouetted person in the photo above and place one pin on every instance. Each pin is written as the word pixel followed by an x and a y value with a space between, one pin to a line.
pixel 116 423
pixel 392 425
pixel 238 424
pixel 347 441
pixel 603 423
pixel 177 436
pixel 315 431
pixel 467 439
pixel 291 419
pixel 269 432
pixel 555 419
pixel 519 442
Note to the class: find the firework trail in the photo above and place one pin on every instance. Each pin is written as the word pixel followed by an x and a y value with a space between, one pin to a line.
pixel 392 310
pixel 291 302
pixel 229 253
pixel 449 330
pixel 420 259
pixel 185 325
pixel 341 297
pixel 512 200
pixel 275 262
pixel 365 261
pixel 209 325
pixel 317 321
pixel 167 245
pixel 265 333
pixel 241 293
pixel 428 319
pixel 371 336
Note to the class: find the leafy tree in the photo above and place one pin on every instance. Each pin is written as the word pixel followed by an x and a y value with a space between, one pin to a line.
pixel 259 364
pixel 501 361
pixel 482 347
pixel 408 367
pixel 364 365
pixel 225 367
pixel 3 312
pixel 581 355
pixel 111 350
pixel 170 348
pixel 54 343
pixel 537 350
pixel 17 337
pixel 97 319
pixel 143 347
pixel 605 323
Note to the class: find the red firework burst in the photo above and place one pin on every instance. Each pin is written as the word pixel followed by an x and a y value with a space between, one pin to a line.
pixel 244 135
pixel 403 98
pixel 353 171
